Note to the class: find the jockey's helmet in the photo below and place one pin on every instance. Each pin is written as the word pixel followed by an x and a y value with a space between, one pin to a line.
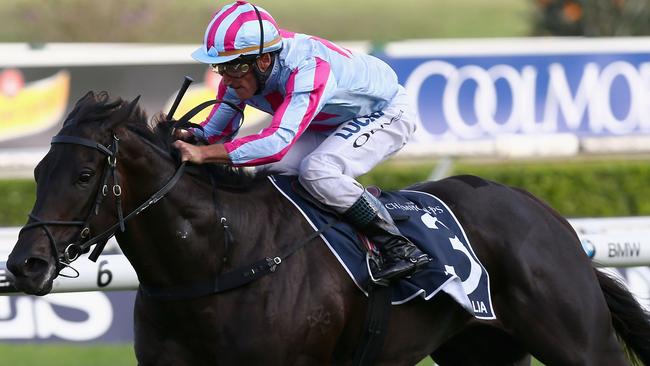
pixel 236 31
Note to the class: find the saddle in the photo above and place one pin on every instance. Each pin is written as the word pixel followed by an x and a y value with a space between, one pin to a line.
pixel 427 222
pixel 364 243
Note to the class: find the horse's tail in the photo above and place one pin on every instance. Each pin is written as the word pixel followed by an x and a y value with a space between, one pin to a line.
pixel 631 321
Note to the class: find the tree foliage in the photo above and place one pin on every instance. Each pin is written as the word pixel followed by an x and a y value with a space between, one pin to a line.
pixel 597 18
pixel 579 188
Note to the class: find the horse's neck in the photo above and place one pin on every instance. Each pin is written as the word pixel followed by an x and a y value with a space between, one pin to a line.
pixel 181 238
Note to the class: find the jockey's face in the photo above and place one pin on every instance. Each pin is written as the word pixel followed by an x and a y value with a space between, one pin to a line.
pixel 245 86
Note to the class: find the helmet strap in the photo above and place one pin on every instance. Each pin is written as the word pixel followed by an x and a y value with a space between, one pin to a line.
pixel 260 75
pixel 263 76
pixel 259 19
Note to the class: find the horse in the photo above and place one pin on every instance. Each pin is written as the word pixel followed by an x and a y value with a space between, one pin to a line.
pixel 549 299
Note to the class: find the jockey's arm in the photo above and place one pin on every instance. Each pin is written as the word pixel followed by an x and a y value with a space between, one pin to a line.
pixel 307 89
pixel 219 125
pixel 223 121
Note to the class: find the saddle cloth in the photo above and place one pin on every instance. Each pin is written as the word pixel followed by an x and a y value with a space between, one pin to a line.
pixel 429 224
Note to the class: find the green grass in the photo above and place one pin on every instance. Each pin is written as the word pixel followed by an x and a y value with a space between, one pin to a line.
pixel 185 21
pixel 583 187
pixel 17 197
pixel 66 355
pixel 88 355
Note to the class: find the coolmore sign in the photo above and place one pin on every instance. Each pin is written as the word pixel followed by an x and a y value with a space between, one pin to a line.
pixel 479 90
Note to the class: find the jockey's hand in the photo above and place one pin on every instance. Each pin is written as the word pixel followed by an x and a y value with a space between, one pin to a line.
pixel 215 153
pixel 184 135
pixel 189 152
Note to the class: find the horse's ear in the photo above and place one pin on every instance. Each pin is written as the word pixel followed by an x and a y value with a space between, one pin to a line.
pixel 130 108
pixel 124 113
pixel 83 101
pixel 89 95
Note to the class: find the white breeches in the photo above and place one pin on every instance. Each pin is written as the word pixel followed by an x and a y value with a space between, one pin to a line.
pixel 328 163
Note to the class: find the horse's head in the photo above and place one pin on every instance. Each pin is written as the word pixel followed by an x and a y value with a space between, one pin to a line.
pixel 72 181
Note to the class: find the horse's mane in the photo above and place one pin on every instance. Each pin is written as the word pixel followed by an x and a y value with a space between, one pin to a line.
pixel 92 108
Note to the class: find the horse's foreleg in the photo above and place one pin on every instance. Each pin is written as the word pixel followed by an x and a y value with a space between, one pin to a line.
pixel 156 344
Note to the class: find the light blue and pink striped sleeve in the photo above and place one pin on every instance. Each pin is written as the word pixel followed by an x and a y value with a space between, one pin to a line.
pixel 307 89
pixel 223 119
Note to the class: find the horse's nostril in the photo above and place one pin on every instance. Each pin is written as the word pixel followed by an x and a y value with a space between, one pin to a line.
pixel 35 266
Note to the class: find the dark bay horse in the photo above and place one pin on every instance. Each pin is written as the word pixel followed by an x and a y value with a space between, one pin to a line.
pixel 549 300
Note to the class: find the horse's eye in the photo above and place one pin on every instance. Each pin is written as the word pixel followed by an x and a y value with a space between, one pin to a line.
pixel 85 176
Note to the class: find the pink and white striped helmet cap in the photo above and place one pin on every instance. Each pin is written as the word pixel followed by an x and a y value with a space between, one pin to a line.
pixel 234 31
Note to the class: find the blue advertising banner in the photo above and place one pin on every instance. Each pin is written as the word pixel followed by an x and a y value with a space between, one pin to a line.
pixel 480 91
pixel 86 317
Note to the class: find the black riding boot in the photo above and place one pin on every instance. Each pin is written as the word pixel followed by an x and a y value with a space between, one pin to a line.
pixel 400 256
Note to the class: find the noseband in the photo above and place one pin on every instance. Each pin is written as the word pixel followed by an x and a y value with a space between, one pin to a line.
pixel 82 244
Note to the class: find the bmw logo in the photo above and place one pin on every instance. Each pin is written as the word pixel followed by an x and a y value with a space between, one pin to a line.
pixel 588 247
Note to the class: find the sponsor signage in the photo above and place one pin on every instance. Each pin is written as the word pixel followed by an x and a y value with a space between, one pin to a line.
pixel 479 90
pixel 31 113
pixel 68 317
pixel 617 249
pixel 468 94
pixel 83 315
pixel 27 109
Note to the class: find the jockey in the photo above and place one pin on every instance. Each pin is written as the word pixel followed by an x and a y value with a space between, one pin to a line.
pixel 336 114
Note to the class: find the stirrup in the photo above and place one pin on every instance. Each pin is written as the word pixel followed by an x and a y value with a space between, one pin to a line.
pixel 373 265
pixel 414 264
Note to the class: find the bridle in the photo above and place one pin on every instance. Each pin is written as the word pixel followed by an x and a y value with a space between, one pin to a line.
pixel 83 243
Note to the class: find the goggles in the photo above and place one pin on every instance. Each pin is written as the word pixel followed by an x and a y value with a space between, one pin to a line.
pixel 233 69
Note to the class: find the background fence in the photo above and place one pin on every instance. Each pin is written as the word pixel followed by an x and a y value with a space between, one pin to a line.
pixel 567 98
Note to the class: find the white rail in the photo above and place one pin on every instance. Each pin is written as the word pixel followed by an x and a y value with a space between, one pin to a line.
pixel 618 249
pixel 111 272
pixel 610 242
